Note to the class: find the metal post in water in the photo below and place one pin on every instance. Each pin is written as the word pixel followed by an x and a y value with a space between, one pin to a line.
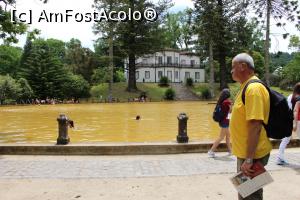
pixel 182 128
pixel 63 123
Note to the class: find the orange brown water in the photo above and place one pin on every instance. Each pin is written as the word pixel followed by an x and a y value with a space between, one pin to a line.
pixel 107 122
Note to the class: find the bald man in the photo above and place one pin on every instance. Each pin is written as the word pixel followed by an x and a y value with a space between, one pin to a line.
pixel 248 137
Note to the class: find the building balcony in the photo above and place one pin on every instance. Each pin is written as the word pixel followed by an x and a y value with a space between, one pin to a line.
pixel 157 65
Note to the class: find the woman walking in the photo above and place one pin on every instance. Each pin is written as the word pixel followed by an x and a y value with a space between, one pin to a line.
pixel 225 103
pixel 293 101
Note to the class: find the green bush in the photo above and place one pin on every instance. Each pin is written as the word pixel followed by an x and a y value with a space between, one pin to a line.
pixel 9 89
pixel 169 94
pixel 75 87
pixel 99 91
pixel 286 84
pixel 205 93
pixel 275 80
pixel 164 81
pixel 189 82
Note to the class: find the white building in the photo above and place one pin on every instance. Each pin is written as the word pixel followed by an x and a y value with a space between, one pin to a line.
pixel 175 64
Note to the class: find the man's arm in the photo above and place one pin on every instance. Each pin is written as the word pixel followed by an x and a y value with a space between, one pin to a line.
pixel 254 128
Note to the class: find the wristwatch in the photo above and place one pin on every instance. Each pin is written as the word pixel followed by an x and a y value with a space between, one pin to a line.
pixel 249 160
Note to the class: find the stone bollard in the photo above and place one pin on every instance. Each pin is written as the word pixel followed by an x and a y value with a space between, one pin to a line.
pixel 63 123
pixel 182 128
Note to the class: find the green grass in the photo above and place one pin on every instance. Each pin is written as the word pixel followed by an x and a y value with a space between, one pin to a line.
pixel 234 88
pixel 156 93
pixel 284 92
pixel 153 91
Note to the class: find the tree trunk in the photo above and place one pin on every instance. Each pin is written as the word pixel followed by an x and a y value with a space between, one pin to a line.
pixel 131 80
pixel 221 48
pixel 111 58
pixel 131 65
pixel 211 69
pixel 267 44
pixel 111 65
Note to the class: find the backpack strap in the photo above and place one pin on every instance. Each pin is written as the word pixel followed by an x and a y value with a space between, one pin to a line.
pixel 249 82
pixel 245 88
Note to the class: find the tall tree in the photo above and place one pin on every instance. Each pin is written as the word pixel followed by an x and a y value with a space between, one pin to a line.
pixel 136 38
pixel 44 71
pixel 278 9
pixel 205 14
pixel 108 32
pixel 213 24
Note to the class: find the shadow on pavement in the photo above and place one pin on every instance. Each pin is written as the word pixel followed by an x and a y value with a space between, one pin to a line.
pixel 225 158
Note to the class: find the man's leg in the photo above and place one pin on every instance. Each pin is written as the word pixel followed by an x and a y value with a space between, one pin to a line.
pixel 258 195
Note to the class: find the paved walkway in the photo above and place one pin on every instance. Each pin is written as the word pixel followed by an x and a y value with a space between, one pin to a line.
pixel 126 166
pixel 179 176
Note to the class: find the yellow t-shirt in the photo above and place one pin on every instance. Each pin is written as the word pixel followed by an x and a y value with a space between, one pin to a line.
pixel 257 106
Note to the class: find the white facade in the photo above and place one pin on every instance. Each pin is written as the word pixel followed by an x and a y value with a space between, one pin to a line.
pixel 174 64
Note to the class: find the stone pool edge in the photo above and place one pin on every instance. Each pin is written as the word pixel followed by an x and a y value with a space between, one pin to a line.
pixel 117 148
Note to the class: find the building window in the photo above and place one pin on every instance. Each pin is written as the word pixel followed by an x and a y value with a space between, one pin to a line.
pixel 169 60
pixel 176 60
pixel 160 73
pixel 144 61
pixel 169 74
pixel 147 74
pixel 160 60
pixel 187 75
pixel 137 74
pixel 197 75
pixel 176 74
pixel 183 62
pixel 192 63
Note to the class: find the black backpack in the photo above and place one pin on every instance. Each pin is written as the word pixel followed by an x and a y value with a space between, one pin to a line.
pixel 218 114
pixel 280 123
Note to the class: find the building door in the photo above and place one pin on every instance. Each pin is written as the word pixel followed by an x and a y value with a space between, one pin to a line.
pixel 186 75
pixel 169 74
pixel 160 74
pixel 176 75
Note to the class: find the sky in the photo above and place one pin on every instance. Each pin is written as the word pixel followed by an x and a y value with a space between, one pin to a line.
pixel 83 30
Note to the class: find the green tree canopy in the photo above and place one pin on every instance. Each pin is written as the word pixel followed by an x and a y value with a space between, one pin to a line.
pixel 291 71
pixel 9 60
pixel 8 29
pixel 75 86
pixel 294 42
pixel 80 60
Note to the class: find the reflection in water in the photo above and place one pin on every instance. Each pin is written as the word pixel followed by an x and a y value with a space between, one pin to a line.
pixel 107 122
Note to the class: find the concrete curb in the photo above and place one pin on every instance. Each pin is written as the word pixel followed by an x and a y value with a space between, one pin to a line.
pixel 117 148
